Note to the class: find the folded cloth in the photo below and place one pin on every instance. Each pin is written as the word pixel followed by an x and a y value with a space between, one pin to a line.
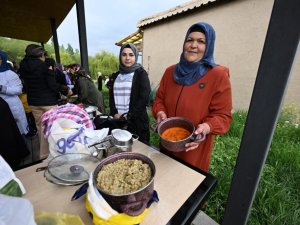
pixel 67 111
pixel 98 203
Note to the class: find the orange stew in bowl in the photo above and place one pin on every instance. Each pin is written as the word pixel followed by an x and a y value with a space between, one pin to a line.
pixel 175 134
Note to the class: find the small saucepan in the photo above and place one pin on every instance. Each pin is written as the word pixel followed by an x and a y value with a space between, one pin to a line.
pixel 122 139
pixel 119 141
pixel 178 146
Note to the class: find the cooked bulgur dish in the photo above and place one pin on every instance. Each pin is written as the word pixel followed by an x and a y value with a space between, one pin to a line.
pixel 124 176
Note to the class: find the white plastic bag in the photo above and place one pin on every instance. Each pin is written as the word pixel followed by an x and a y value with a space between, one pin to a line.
pixel 67 136
pixel 15 210
pixel 7 174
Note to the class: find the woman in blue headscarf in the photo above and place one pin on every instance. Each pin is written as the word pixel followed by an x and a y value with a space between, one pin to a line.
pixel 129 92
pixel 199 90
pixel 10 88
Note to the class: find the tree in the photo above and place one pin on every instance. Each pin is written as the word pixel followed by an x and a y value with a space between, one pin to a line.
pixel 62 48
pixel 66 58
pixel 15 49
pixel 70 50
pixel 103 62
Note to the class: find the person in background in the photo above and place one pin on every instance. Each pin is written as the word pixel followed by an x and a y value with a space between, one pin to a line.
pixel 87 92
pixel 16 67
pixel 99 81
pixel 129 92
pixel 13 148
pixel 32 130
pixel 106 82
pixel 59 74
pixel 60 79
pixel 199 90
pixel 10 89
pixel 72 70
pixel 66 70
pixel 42 89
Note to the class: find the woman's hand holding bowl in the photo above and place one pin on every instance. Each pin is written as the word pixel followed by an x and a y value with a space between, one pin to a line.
pixel 202 129
pixel 160 116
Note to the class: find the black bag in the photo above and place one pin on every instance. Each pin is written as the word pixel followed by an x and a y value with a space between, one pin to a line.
pixel 32 130
pixel 106 121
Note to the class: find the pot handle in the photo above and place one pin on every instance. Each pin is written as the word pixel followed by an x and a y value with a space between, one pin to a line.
pixel 124 115
pixel 107 138
pixel 198 137
pixel 154 127
pixel 41 168
pixel 135 137
pixel 130 210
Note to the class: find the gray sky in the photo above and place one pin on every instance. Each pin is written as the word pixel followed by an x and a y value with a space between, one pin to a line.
pixel 109 21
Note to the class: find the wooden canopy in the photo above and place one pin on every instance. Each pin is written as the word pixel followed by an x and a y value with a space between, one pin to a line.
pixel 135 38
pixel 37 21
pixel 31 19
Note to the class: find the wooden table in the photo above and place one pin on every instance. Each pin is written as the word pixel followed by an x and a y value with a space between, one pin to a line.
pixel 180 188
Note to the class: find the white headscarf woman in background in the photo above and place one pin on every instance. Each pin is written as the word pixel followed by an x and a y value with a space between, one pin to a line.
pixel 10 89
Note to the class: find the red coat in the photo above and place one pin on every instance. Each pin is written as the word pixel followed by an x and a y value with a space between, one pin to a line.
pixel 207 100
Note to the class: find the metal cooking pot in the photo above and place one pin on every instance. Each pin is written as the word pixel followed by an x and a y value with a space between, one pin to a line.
pixel 122 139
pixel 178 146
pixel 114 150
pixel 119 141
pixel 133 203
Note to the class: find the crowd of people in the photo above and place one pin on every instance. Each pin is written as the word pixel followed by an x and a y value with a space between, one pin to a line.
pixel 195 88
pixel 32 88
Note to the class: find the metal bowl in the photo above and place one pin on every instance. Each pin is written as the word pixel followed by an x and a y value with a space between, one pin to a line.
pixel 175 146
pixel 133 203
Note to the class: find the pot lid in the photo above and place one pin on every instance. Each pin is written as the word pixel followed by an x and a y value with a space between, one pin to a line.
pixel 121 135
pixel 90 109
pixel 73 167
pixel 54 180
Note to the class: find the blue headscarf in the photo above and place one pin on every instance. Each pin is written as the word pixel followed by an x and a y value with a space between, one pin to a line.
pixel 187 73
pixel 4 66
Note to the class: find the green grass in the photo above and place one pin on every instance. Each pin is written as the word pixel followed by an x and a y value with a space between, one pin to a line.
pixel 277 199
pixel 106 97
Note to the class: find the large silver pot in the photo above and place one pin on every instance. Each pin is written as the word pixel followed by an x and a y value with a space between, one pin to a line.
pixel 133 203
pixel 178 146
